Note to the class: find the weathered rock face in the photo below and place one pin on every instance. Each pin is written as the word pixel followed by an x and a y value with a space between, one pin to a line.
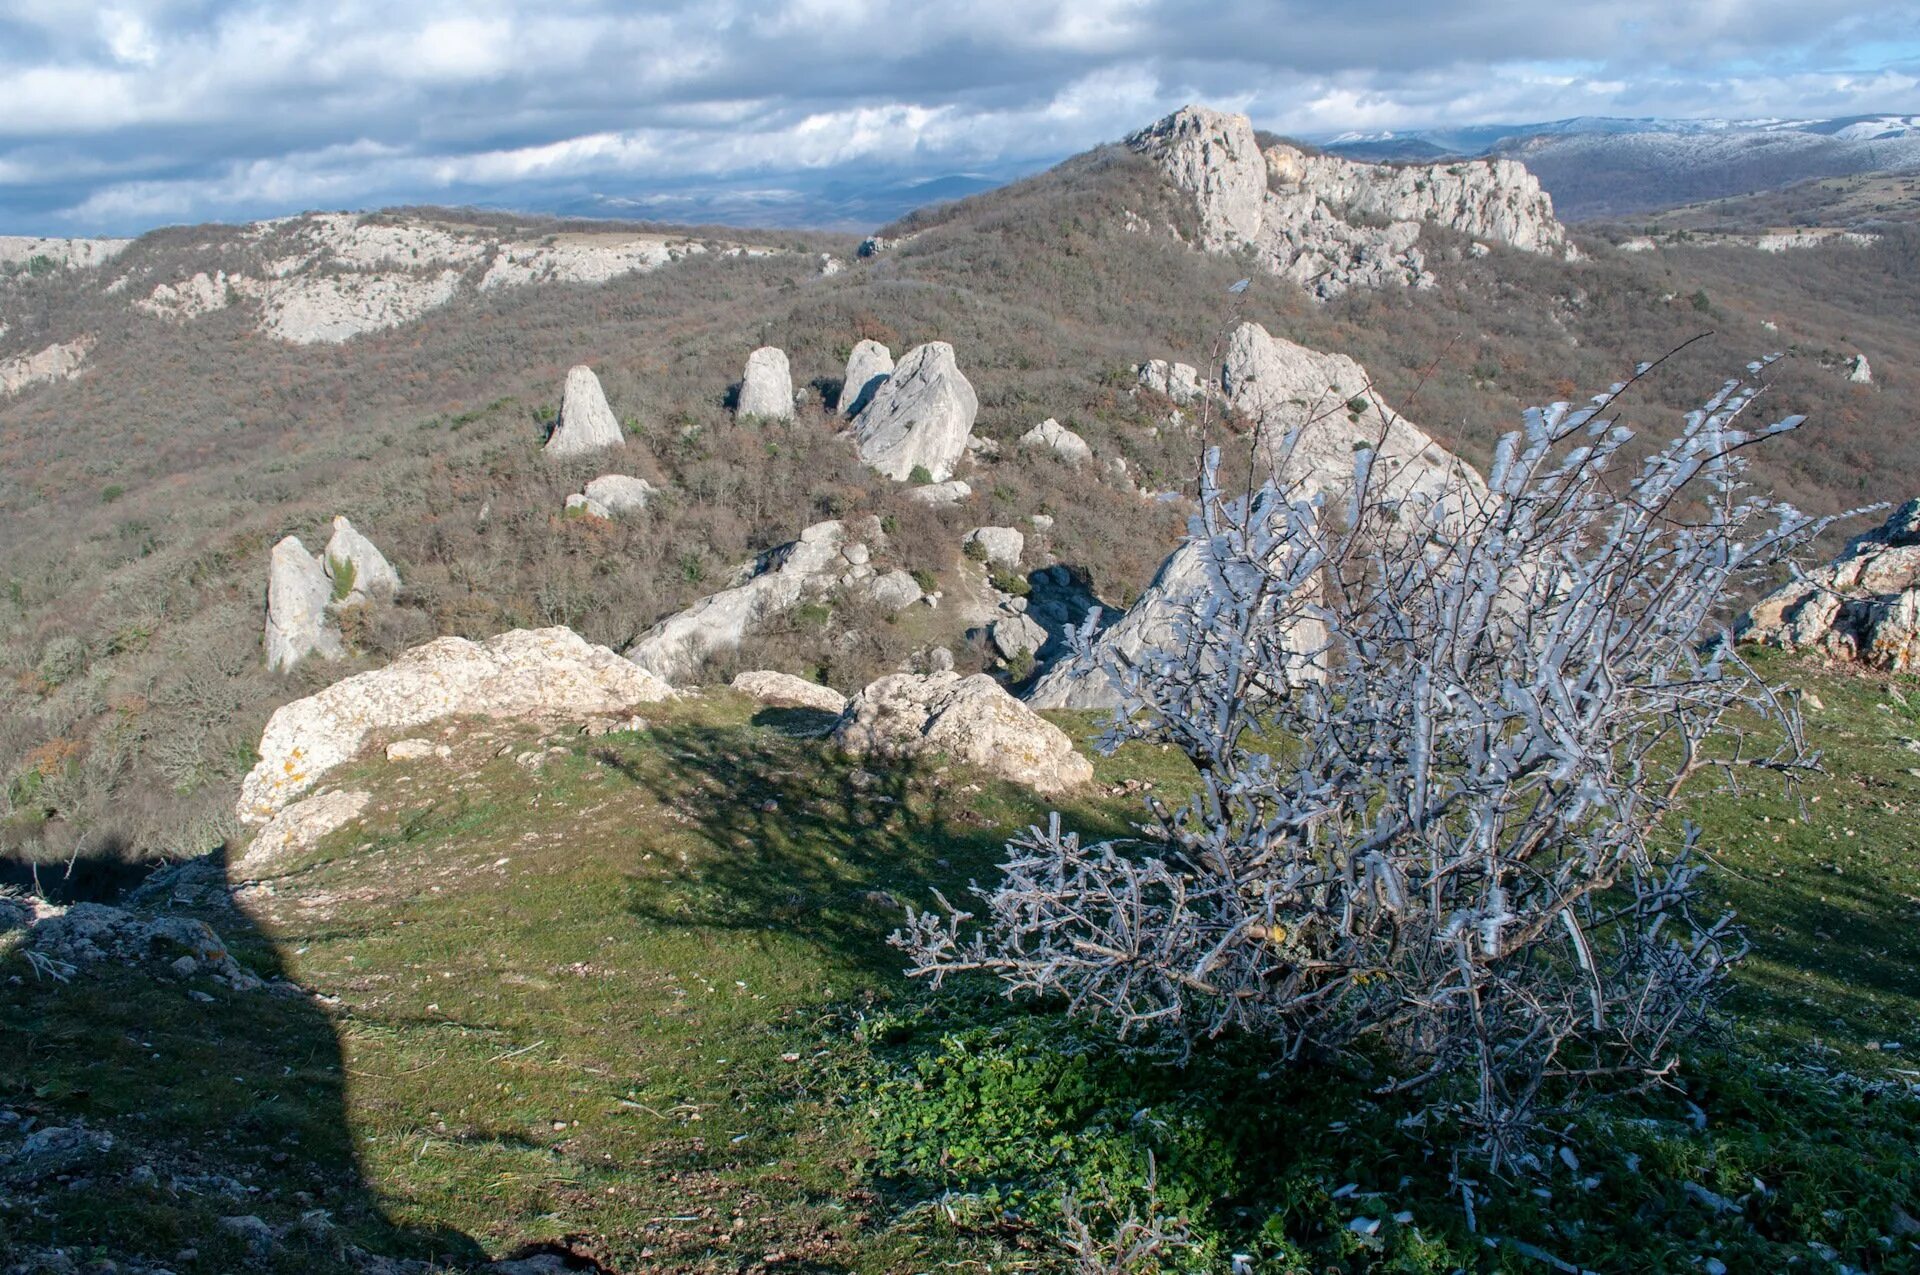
pixel 298 593
pixel 1001 546
pixel 525 673
pixel 784 690
pixel 1312 218
pixel 868 368
pixel 767 388
pixel 60 361
pixel 620 494
pixel 1178 381
pixel 300 826
pixel 1284 386
pixel 967 718
pixel 353 559
pixel 1050 435
pixel 920 417
pixel 587 423
pixel 826 554
pixel 1863 607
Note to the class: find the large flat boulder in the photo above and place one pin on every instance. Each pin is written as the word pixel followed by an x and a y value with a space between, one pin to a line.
pixel 969 719
pixel 538 674
pixel 920 417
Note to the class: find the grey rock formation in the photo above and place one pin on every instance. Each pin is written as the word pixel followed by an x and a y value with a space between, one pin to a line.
pixel 1050 435
pixel 89 933
pixel 1316 219
pixel 969 719
pixel 868 368
pixel 784 690
pixel 352 560
pixel 1012 634
pixel 298 594
pixel 620 494
pixel 1001 546
pixel 1327 397
pixel 766 390
pixel 587 423
pixel 538 674
pixel 951 492
pixel 773 583
pixel 1863 607
pixel 580 506
pixel 1859 373
pixel 1178 381
pixel 920 417
pixel 895 590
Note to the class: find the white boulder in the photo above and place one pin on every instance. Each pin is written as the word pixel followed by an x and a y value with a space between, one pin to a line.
pixel 587 507
pixel 1001 546
pixel 353 560
pixel 587 423
pixel 300 826
pixel 951 492
pixel 895 590
pixel 298 594
pixel 868 367
pixel 1050 435
pixel 784 690
pixel 971 720
pixel 767 388
pixel 621 494
pixel 918 418
pixel 1178 381
pixel 525 673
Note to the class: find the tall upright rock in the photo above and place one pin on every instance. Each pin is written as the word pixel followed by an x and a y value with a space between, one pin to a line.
pixel 1318 220
pixel 920 417
pixel 353 560
pixel 767 388
pixel 587 423
pixel 298 592
pixel 868 368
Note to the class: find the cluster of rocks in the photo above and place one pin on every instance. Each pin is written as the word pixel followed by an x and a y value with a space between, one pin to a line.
pixel 828 555
pixel 1037 623
pixel 71 938
pixel 970 719
pixel 1316 219
pixel 1863 607
pixel 534 674
pixel 305 592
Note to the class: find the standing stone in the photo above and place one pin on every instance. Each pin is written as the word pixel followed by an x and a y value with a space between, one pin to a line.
pixel 372 576
pixel 587 423
pixel 1860 373
pixel 920 417
pixel 868 368
pixel 767 388
pixel 297 595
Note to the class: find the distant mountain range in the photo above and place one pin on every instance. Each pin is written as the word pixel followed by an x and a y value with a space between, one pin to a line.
pixel 1600 167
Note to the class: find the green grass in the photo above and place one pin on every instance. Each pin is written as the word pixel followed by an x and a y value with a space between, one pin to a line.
pixel 638 1001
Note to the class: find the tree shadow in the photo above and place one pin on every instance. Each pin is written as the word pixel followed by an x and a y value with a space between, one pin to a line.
pixel 820 844
pixel 188 1101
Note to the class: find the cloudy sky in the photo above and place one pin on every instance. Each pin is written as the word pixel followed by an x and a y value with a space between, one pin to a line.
pixel 124 116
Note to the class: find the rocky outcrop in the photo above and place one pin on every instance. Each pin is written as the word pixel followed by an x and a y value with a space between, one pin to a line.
pixel 300 827
pixel 920 417
pixel 298 594
pixel 784 690
pixel 621 494
pixel 57 362
pixel 1001 546
pixel 91 933
pixel 356 570
pixel 540 674
pixel 1858 372
pixel 1331 224
pixel 1051 436
pixel 1330 400
pixel 1863 607
pixel 767 388
pixel 951 492
pixel 868 368
pixel 826 554
pixel 72 254
pixel 969 719
pixel 1178 381
pixel 587 423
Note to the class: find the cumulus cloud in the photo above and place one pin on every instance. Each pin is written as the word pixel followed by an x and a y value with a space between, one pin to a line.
pixel 153 110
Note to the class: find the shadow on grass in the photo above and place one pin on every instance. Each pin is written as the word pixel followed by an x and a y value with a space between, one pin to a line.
pixel 808 840
pixel 218 1103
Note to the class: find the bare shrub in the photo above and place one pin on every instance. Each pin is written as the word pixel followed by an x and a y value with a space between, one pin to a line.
pixel 1438 743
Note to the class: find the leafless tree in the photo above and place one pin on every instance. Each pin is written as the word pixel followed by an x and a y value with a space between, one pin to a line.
pixel 1439 740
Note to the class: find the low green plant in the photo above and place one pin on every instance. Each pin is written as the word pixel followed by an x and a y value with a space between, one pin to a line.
pixel 343 573
pixel 920 476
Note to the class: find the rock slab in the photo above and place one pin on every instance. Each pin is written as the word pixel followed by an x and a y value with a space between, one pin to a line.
pixel 784 690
